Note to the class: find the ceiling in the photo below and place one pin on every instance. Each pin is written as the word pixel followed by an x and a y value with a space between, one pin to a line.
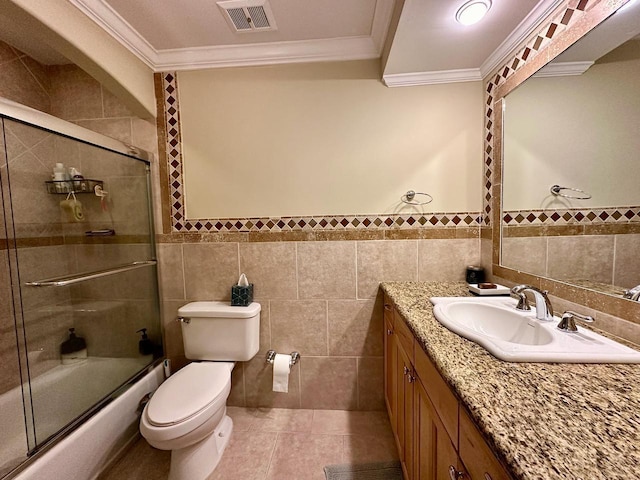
pixel 424 42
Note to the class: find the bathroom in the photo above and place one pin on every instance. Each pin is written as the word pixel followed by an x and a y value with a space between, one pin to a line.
pixel 318 281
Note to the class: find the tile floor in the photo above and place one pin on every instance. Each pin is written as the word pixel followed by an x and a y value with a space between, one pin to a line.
pixel 277 443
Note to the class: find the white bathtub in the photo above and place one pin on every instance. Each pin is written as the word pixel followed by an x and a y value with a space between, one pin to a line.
pixel 84 453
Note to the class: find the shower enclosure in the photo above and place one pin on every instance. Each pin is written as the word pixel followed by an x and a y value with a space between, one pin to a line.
pixel 76 253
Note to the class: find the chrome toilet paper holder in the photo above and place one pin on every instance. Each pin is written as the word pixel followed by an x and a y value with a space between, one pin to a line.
pixel 271 356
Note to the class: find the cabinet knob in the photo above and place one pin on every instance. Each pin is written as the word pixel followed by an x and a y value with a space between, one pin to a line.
pixel 406 370
pixel 487 476
pixel 454 474
pixel 410 378
pixel 389 331
pixel 387 306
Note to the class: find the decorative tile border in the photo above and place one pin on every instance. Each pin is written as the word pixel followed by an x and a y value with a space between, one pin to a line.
pixel 550 30
pixel 619 215
pixel 180 224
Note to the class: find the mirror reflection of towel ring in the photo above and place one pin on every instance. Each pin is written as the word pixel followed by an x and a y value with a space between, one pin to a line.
pixel 410 198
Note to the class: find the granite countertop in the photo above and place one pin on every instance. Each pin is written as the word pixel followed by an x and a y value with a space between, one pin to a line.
pixel 547 421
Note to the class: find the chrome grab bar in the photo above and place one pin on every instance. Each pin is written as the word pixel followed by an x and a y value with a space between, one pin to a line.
pixel 83 277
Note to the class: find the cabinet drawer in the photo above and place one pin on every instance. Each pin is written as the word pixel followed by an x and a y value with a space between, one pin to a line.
pixel 478 458
pixel 443 399
pixel 403 335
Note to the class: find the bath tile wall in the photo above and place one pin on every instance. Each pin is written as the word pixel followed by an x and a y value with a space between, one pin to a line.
pixel 320 298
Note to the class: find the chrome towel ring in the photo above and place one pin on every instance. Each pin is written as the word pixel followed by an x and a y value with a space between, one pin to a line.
pixel 410 198
pixel 557 190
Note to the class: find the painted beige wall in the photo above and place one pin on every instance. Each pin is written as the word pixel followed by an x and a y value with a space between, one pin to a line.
pixel 83 42
pixel 326 138
pixel 576 131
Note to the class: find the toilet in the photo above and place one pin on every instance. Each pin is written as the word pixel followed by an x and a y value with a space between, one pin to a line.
pixel 187 413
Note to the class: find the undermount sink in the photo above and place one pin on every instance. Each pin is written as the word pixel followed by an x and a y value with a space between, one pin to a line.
pixel 516 336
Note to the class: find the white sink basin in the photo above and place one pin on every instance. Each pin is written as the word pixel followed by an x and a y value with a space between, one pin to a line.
pixel 516 336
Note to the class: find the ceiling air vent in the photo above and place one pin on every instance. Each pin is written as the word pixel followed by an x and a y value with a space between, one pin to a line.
pixel 248 15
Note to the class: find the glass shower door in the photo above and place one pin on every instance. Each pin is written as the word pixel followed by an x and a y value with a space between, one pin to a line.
pixel 84 262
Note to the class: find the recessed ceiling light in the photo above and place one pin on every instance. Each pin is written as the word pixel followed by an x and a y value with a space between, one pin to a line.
pixel 472 11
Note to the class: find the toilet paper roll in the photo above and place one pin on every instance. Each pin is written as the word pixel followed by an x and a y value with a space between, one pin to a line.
pixel 281 373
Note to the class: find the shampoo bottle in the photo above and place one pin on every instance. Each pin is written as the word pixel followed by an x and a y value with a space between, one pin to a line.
pixel 74 349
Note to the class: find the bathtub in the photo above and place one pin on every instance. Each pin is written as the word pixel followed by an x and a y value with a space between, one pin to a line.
pixel 89 449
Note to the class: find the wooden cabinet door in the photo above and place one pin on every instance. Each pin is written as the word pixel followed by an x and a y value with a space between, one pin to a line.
pixel 405 413
pixel 434 452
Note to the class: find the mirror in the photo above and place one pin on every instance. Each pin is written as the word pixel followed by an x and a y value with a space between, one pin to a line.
pixel 576 124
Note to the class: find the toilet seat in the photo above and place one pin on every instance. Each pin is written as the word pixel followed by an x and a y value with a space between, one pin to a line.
pixel 187 400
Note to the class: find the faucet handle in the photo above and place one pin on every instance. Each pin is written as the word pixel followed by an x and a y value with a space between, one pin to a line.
pixel 568 322
pixel 523 302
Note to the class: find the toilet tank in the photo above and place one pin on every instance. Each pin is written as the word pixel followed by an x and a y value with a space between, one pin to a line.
pixel 218 331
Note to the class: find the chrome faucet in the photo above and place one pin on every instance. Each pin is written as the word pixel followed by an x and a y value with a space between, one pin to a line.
pixel 544 310
pixel 568 322
pixel 632 293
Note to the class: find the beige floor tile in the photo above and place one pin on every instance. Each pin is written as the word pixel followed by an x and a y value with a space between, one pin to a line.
pixel 282 420
pixel 341 422
pixel 243 418
pixel 141 462
pixel 247 457
pixel 369 448
pixel 302 456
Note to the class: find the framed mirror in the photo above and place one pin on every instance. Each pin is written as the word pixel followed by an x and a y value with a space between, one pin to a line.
pixel 569 141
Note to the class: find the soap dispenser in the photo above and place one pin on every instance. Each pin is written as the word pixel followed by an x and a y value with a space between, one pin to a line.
pixel 74 349
pixel 145 346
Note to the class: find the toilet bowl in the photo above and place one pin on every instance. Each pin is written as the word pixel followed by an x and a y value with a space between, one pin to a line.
pixel 187 413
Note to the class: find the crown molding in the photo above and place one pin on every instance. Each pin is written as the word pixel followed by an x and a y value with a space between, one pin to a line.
pixel 432 78
pixel 528 26
pixel 563 69
pixel 335 49
pixel 348 48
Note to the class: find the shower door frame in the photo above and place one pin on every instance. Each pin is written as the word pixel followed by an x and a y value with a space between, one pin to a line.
pixel 19 113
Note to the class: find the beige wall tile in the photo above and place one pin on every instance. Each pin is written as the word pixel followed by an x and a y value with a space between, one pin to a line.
pixel 581 257
pixel 210 270
pixel 258 380
pixel 329 383
pixel 627 261
pixel 19 85
pixel 237 396
pixel 355 327
pixel 7 53
pixel 327 270
pixel 75 95
pixel 113 107
pixel 386 261
pixel 173 346
pixel 299 325
pixel 171 272
pixel 446 259
pixel 118 128
pixel 370 383
pixel 271 267
pixel 144 135
pixel 527 254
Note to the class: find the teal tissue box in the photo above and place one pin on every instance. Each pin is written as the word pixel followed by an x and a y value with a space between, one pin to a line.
pixel 241 296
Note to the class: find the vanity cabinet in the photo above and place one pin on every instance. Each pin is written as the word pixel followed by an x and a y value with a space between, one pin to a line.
pixel 436 438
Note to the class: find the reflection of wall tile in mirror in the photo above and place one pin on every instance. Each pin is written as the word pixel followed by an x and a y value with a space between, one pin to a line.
pixel 627 261
pixel 527 254
pixel 581 257
pixel 355 328
pixel 327 270
pixel 385 261
pixel 329 383
pixel 446 260
pixel 271 267
pixel 210 270
pixel 299 325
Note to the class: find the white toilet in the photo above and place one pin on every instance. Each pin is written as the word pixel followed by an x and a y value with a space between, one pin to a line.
pixel 187 413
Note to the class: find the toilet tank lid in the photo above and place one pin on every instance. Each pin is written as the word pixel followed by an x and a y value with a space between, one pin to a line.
pixel 218 309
